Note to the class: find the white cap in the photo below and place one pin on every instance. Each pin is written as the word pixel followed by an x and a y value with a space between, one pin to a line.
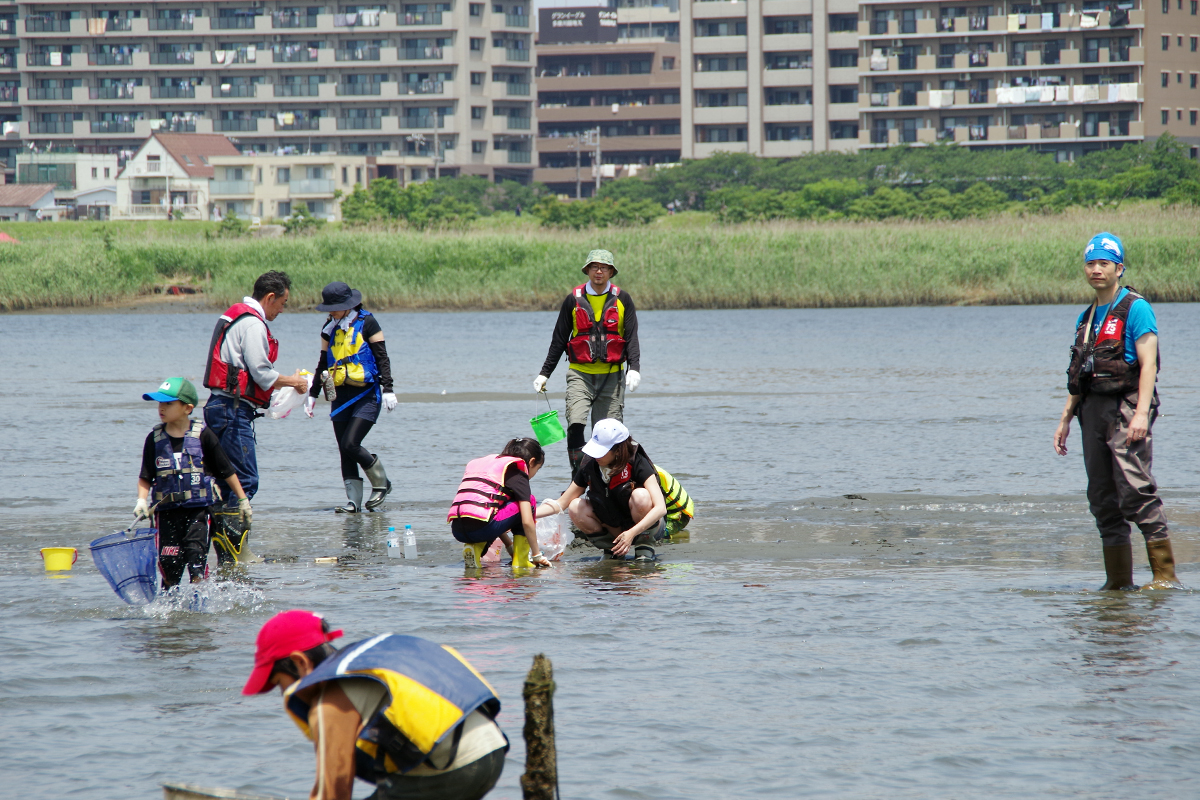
pixel 605 434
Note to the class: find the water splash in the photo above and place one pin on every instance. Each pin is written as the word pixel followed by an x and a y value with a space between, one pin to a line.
pixel 206 597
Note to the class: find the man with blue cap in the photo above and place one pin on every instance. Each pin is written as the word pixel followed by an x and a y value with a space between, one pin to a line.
pixel 1111 385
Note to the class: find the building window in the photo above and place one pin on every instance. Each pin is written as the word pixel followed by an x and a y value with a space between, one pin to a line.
pixel 669 62
pixel 1195 40
pixel 1166 6
pixel 497 8
pixel 1179 77
pixel 1166 79
pixel 476 9
pixel 95 172
pixel 843 58
pixel 478 147
pixel 1166 116
pixel 477 79
pixel 843 94
pixel 843 130
pixel 843 23
pixel 477 112
pixel 106 169
pixel 345 175
pixel 1192 116
pixel 476 45
pixel 789 133
pixel 259 176
pixel 1193 86
pixel 1166 42
pixel 1194 5
pixel 1179 114
pixel 285 208
pixel 283 175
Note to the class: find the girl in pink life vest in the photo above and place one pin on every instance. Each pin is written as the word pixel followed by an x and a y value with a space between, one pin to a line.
pixel 494 501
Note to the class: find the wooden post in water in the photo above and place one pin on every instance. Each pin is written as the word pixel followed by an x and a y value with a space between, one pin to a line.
pixel 540 781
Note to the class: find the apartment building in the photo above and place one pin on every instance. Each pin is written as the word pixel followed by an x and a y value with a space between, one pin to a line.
pixel 1059 77
pixel 356 79
pixel 616 69
pixel 774 78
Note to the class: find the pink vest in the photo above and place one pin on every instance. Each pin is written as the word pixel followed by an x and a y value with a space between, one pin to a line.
pixel 481 494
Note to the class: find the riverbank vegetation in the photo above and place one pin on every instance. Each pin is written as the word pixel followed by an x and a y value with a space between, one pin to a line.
pixel 678 261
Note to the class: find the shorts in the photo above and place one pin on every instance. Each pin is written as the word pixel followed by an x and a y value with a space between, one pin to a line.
pixel 489 532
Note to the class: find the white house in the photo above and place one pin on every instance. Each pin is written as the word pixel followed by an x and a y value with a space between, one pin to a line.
pixel 27 202
pixel 170 172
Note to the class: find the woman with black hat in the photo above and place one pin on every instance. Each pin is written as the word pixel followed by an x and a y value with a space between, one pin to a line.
pixel 353 353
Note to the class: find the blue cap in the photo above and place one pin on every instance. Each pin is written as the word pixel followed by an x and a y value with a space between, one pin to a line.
pixel 1105 246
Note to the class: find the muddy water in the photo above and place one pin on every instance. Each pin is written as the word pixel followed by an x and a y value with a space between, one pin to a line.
pixel 932 635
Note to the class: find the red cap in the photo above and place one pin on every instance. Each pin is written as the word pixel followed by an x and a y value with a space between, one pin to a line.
pixel 282 635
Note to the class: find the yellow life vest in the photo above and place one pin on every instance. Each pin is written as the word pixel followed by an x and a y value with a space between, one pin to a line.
pixel 351 360
pixel 676 497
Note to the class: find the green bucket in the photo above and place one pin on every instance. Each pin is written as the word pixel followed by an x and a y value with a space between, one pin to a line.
pixel 547 427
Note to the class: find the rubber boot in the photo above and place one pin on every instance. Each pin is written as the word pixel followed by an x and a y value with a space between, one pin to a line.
pixel 643 552
pixel 575 457
pixel 1118 567
pixel 380 485
pixel 1162 562
pixel 354 493
pixel 228 537
pixel 521 552
pixel 609 555
pixel 473 554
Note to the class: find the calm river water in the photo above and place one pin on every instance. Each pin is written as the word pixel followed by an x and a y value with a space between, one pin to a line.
pixel 937 635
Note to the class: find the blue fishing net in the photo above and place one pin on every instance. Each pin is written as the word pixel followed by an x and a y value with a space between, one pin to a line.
pixel 128 561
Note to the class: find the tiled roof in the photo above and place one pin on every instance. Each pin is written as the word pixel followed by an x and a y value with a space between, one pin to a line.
pixel 191 150
pixel 23 195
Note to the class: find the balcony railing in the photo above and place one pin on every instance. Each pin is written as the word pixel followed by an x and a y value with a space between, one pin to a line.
pixel 422 18
pixel 518 123
pixel 1016 59
pixel 297 89
pixel 1118 127
pixel 296 55
pixel 8 25
pixel 9 94
pixel 359 89
pixel 110 59
pixel 978 133
pixel 237 90
pixel 1050 57
pixel 235 125
pixel 1016 131
pixel 298 124
pixel 173 92
pixel 516 21
pixel 284 20
pixel 880 99
pixel 977 96
pixel 239 22
pixel 906 62
pixel 43 25
pixel 945 61
pixel 908 98
pixel 48 59
pixel 359 123
pixel 50 93
pixel 879 136
pixel 112 92
pixel 513 54
pixel 421 87
pixel 521 89
pixel 908 26
pixel 945 24
pixel 978 59
pixel 112 126
pixel 422 53
pixel 419 121
pixel 977 23
pixel 231 187
pixel 182 57
pixel 520 157
pixel 1090 57
pixel 358 54
pixel 171 24
pixel 119 25
pixel 180 125
pixel 908 135
pixel 8 60
pixel 1120 54
pixel 311 186
pixel 51 127
pixel 879 27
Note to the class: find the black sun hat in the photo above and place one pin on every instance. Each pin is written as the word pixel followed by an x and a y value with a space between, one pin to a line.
pixel 338 296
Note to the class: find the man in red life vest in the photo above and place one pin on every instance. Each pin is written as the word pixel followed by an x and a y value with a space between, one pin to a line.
pixel 241 375
pixel 597 328
pixel 1111 385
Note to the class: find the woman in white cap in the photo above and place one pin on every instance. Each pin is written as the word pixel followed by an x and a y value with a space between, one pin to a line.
pixel 630 502
pixel 353 352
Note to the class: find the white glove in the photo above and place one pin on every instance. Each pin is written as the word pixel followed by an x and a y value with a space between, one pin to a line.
pixel 246 512
pixel 141 508
pixel 539 383
pixel 389 400
pixel 309 405
pixel 632 379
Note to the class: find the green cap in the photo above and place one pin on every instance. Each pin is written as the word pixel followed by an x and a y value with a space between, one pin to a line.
pixel 175 389
pixel 600 257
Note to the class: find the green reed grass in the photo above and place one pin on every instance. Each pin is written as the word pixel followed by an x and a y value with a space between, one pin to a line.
pixel 682 263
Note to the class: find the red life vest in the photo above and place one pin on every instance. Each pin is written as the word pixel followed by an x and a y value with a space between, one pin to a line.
pixel 227 377
pixel 1099 366
pixel 597 342
pixel 481 494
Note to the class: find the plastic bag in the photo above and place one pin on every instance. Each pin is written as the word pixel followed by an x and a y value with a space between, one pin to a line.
pixel 286 400
pixel 552 536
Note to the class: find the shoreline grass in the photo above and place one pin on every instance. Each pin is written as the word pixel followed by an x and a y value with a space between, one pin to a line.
pixel 680 262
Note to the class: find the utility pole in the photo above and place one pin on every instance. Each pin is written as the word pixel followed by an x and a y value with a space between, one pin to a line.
pixel 596 133
pixel 437 145
pixel 576 146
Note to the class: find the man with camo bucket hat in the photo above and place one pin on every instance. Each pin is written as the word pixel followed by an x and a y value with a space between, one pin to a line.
pixel 597 329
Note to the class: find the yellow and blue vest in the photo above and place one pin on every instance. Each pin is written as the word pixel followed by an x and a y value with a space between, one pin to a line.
pixel 185 486
pixel 431 690
pixel 351 361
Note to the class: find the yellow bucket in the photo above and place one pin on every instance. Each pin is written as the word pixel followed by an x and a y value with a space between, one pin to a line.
pixel 59 558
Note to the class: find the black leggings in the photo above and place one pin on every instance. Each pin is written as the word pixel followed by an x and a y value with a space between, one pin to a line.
pixel 349 432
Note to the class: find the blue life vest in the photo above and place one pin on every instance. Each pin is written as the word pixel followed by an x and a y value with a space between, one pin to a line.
pixel 351 361
pixel 186 486
pixel 431 690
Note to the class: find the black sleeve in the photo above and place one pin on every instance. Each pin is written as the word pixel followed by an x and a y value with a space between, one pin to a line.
pixel 643 469
pixel 371 327
pixel 216 463
pixel 516 485
pixel 562 334
pixel 383 364
pixel 633 350
pixel 582 475
pixel 148 470
pixel 322 362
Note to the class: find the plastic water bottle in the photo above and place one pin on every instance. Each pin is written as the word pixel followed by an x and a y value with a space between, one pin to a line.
pixel 410 542
pixel 393 544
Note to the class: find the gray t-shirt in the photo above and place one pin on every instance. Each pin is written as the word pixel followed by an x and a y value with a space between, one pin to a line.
pixel 246 347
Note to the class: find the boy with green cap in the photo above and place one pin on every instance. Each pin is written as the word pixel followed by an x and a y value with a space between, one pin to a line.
pixel 179 461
